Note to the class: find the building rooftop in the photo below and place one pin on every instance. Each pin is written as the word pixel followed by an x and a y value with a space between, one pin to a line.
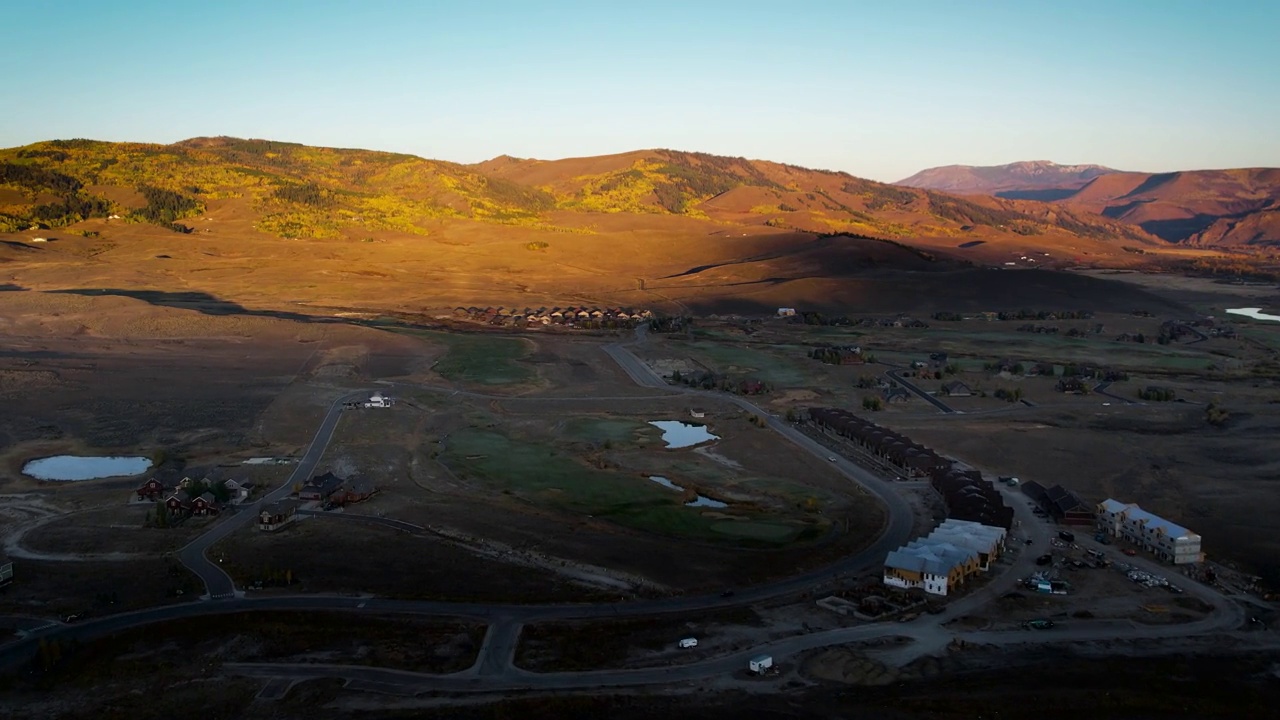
pixel 1150 520
pixel 1114 506
pixel 968 534
pixel 928 556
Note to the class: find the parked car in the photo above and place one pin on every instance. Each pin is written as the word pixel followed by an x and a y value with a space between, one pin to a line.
pixel 1039 624
pixel 1067 536
pixel 1044 559
pixel 689 643
pixel 1130 552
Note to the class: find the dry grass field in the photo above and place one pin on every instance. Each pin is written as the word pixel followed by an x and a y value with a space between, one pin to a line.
pixel 562 486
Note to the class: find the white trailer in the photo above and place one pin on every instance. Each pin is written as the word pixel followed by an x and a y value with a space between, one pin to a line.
pixel 760 663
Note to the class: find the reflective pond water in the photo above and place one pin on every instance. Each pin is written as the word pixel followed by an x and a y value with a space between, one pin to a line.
pixel 69 468
pixel 677 434
pixel 1255 313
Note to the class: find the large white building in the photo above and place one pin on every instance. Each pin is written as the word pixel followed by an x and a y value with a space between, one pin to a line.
pixel 1166 540
pixel 944 559
pixel 378 400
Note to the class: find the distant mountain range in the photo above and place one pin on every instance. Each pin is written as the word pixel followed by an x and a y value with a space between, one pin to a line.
pixel 1209 208
pixel 1030 180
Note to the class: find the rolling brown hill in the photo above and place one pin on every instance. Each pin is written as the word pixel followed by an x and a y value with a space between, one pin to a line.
pixel 306 192
pixel 273 224
pixel 757 192
pixel 1230 209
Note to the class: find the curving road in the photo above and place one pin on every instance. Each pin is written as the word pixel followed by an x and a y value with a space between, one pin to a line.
pixel 218 584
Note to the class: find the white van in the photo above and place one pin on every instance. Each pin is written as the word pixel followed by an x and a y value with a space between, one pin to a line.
pixel 689 643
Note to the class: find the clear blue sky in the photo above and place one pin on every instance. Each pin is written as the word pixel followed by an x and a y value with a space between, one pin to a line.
pixel 879 89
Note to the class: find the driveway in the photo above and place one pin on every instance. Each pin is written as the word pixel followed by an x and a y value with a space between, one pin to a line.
pixel 896 376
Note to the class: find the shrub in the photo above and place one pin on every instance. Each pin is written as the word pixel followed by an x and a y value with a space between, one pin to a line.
pixel 1216 415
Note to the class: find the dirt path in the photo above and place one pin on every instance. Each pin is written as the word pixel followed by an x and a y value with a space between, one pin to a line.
pixel 31 513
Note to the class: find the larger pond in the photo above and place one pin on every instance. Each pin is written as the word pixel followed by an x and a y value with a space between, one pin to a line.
pixel 677 434
pixel 1255 313
pixel 69 468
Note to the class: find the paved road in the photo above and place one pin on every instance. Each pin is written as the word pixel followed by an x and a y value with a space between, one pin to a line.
pixel 1101 389
pixel 218 584
pixel 896 375
pixel 920 632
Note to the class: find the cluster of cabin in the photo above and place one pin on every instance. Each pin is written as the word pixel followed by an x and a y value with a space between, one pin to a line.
pixel 839 355
pixel 568 316
pixel 707 380
pixel 808 317
pixel 192 497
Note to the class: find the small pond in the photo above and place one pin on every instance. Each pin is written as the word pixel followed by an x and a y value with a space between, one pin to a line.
pixel 698 501
pixel 69 468
pixel 1255 313
pixel 677 434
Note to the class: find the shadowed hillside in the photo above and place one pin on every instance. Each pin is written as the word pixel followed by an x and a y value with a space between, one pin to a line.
pixel 1219 208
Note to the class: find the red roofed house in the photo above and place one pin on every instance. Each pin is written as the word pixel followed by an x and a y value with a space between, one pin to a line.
pixel 151 489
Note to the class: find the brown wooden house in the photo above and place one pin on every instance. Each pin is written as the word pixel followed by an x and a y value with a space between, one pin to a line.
pixel 179 503
pixel 205 504
pixel 353 492
pixel 321 487
pixel 277 515
pixel 152 489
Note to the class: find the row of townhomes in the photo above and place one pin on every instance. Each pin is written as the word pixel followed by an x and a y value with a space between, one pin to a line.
pixel 894 448
pixel 552 316
pixel 967 495
pixel 944 559
pixel 1167 540
pixel 1059 503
